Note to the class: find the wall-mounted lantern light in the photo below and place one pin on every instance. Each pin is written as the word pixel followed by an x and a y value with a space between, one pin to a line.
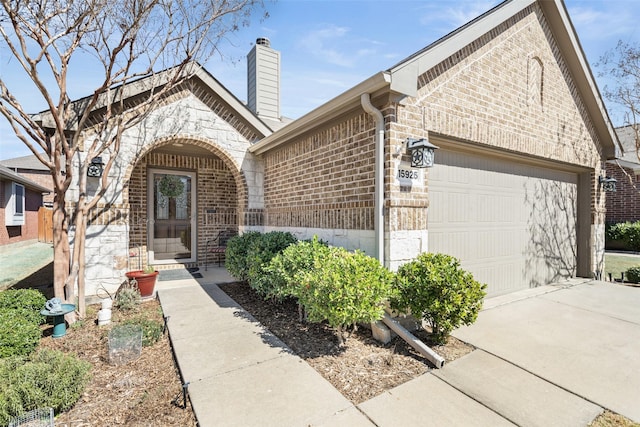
pixel 94 169
pixel 421 152
pixel 608 183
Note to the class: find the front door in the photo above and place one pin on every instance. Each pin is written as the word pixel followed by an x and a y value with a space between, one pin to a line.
pixel 171 196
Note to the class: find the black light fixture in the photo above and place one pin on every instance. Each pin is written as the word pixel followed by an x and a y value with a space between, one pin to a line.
pixel 421 152
pixel 608 183
pixel 94 170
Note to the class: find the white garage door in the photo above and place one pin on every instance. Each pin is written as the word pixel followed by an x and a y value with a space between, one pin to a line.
pixel 512 225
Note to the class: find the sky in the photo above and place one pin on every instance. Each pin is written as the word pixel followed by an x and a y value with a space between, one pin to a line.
pixel 329 46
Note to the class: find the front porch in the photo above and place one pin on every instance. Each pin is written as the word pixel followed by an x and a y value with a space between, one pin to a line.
pixel 181 195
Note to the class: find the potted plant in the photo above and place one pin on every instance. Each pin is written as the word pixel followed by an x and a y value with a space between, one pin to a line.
pixel 145 279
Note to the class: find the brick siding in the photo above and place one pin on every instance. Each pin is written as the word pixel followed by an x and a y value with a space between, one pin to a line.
pixel 325 180
pixel 623 204
pixel 20 233
pixel 216 206
pixel 510 90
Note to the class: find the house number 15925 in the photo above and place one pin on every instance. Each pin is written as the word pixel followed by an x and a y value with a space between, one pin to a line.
pixel 407 174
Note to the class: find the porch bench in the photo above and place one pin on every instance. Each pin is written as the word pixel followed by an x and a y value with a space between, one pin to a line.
pixel 217 246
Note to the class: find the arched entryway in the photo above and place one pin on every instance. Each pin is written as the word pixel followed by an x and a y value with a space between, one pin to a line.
pixel 181 193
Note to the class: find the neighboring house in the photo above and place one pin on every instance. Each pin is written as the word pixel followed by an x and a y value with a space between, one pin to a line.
pixel 32 169
pixel 20 199
pixel 624 204
pixel 509 98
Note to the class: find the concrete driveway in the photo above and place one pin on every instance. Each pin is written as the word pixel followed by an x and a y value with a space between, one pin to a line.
pixel 581 337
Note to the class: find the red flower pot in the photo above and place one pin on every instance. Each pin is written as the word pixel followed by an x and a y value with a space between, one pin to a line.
pixel 146 281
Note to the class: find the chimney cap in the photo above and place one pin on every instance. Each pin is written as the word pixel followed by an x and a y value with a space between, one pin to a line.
pixel 263 41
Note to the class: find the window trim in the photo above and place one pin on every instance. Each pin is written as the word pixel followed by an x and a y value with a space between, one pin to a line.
pixel 11 215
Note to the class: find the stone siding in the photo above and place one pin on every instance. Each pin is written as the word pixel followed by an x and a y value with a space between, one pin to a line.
pixel 228 181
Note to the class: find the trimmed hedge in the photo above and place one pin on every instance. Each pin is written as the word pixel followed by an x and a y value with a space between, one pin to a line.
pixel 48 378
pixel 435 288
pixel 344 288
pixel 281 277
pixel 248 254
pixel 236 255
pixel 19 336
pixel 626 232
pixel 260 252
pixel 28 302
pixel 20 321
pixel 633 274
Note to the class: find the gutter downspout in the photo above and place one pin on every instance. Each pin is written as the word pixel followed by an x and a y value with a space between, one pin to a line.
pixel 365 100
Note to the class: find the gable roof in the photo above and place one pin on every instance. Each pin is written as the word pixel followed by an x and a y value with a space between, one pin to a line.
pixel 402 79
pixel 9 175
pixel 629 156
pixel 145 84
pixel 30 162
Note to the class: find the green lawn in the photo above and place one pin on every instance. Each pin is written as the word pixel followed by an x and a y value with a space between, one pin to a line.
pixel 617 263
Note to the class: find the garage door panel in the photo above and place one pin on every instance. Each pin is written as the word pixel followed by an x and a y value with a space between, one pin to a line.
pixel 512 225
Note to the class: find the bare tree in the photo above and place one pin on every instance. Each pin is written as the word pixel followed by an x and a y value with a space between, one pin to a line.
pixel 127 41
pixel 622 66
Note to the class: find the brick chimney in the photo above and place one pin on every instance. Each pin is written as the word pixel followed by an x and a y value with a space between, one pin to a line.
pixel 263 80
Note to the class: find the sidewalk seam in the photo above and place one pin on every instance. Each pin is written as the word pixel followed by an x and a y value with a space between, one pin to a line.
pixel 542 378
pixel 474 399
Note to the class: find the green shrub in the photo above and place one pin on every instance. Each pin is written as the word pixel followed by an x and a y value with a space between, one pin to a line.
pixel 151 329
pixel 18 335
pixel 128 297
pixel 48 378
pixel 344 288
pixel 633 274
pixel 280 277
pixel 612 231
pixel 28 302
pixel 435 288
pixel 236 254
pixel 627 232
pixel 260 253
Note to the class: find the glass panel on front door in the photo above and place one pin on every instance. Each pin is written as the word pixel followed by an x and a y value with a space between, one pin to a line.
pixel 171 216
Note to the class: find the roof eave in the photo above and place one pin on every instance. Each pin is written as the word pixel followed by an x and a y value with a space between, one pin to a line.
pixel 567 39
pixel 406 73
pixel 233 102
pixel 9 175
pixel 565 34
pixel 334 108
pixel 143 85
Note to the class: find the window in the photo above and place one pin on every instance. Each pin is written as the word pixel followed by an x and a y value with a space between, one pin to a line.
pixel 14 209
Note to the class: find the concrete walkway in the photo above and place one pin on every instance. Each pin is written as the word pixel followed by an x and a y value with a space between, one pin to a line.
pixel 240 374
pixel 583 338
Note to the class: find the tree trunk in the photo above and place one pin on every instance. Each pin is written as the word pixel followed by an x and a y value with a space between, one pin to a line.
pixel 81 235
pixel 61 255
pixel 61 250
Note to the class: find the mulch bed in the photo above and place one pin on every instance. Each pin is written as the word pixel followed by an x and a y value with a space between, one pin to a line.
pixel 148 390
pixel 362 369
pixel 144 392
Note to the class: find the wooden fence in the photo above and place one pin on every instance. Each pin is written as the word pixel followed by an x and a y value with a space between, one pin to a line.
pixel 45 225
